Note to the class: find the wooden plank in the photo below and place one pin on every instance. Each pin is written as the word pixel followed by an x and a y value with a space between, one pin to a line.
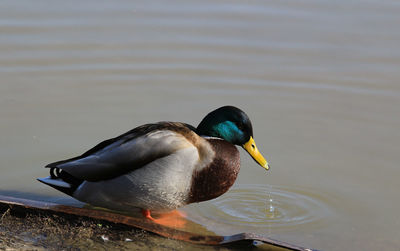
pixel 142 223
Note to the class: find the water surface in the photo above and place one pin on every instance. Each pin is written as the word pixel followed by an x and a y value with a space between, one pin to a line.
pixel 319 79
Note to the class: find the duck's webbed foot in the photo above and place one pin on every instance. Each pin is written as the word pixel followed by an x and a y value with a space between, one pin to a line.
pixel 173 219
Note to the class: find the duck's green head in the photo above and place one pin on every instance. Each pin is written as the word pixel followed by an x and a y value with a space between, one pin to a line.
pixel 233 125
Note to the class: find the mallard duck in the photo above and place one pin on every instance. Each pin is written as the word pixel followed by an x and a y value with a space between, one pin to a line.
pixel 161 166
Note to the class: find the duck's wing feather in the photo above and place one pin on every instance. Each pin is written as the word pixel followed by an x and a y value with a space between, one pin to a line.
pixel 130 151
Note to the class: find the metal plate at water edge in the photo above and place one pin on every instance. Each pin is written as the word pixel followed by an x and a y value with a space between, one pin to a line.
pixel 12 203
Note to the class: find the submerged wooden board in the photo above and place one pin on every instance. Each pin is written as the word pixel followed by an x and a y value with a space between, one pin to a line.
pixel 142 223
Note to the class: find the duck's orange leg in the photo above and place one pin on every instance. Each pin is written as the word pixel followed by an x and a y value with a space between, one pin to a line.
pixel 146 213
pixel 174 219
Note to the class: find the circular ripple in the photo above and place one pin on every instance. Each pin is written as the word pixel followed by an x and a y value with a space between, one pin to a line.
pixel 267 206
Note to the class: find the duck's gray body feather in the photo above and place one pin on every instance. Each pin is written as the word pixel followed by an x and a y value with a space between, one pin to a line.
pixel 160 185
pixel 150 168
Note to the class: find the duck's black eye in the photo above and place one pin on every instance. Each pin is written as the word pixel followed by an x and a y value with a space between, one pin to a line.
pixel 240 126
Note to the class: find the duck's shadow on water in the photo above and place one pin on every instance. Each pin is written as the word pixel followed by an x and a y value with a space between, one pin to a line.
pixel 63 200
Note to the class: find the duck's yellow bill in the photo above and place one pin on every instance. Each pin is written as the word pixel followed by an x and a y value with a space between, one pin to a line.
pixel 251 148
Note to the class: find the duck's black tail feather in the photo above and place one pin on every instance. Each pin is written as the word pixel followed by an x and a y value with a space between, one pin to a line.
pixel 62 181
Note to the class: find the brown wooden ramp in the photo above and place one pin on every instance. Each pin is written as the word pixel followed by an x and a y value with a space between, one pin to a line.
pixel 142 223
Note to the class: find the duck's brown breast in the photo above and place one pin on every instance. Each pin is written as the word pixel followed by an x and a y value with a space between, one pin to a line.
pixel 217 177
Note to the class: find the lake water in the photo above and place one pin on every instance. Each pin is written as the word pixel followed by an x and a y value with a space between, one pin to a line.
pixel 320 81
